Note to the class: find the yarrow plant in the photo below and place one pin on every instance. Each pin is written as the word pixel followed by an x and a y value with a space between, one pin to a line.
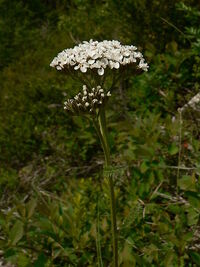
pixel 99 66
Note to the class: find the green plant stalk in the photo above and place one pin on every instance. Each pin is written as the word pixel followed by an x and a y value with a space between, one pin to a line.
pixel 98 243
pixel 105 145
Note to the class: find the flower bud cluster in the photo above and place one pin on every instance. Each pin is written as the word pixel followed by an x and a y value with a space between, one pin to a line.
pixel 99 56
pixel 87 101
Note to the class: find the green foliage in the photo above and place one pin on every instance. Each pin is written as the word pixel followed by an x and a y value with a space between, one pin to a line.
pixel 54 203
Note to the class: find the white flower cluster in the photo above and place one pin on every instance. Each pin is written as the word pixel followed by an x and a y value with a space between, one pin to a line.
pixel 87 101
pixel 193 103
pixel 99 56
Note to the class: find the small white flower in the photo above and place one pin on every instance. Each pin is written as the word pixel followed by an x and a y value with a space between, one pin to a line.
pixel 83 69
pixel 87 104
pixel 58 68
pixel 91 61
pixel 111 64
pixel 116 65
pixel 100 71
pixel 72 63
pixel 143 65
pixel 108 94
pixel 127 54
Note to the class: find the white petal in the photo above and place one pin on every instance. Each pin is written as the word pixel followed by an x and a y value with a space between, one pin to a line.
pixel 91 53
pixel 116 65
pixel 76 67
pixel 101 71
pixel 72 63
pixel 111 63
pixel 95 56
pixel 127 53
pixel 104 61
pixel 91 61
pixel 83 69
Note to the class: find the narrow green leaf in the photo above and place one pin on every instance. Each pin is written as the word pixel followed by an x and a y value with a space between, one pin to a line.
pixel 30 207
pixel 16 232
pixel 144 167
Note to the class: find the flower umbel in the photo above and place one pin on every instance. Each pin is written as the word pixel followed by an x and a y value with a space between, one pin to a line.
pixel 87 101
pixel 99 56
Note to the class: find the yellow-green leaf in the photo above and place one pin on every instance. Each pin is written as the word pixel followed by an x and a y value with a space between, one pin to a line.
pixel 30 207
pixel 16 232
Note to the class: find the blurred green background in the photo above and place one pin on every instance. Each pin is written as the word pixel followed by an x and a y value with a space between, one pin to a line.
pixel 54 204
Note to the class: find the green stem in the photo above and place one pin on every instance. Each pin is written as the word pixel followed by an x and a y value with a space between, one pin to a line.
pixel 98 243
pixel 179 152
pixel 96 126
pixel 105 145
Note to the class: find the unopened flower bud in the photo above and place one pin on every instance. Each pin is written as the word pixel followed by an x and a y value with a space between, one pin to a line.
pixel 86 101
